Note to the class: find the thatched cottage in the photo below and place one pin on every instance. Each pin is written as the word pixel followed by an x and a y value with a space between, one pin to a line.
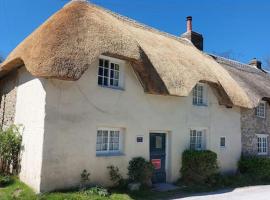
pixel 93 88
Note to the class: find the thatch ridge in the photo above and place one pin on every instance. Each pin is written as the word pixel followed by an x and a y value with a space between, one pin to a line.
pixel 254 81
pixel 72 39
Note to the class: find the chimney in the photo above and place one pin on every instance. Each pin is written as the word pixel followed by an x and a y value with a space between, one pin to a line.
pixel 195 38
pixel 256 63
pixel 189 24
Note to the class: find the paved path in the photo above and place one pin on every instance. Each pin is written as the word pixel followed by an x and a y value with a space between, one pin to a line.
pixel 246 193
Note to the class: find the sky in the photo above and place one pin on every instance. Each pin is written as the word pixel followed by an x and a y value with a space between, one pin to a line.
pixel 239 29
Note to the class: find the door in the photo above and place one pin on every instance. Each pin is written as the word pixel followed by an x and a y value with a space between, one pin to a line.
pixel 158 156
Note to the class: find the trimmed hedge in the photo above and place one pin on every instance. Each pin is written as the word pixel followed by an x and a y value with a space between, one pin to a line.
pixel 257 167
pixel 199 167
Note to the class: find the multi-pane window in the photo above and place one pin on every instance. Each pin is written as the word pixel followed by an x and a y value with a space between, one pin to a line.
pixel 260 110
pixel 108 140
pixel 222 142
pixel 262 144
pixel 198 94
pixel 108 73
pixel 196 139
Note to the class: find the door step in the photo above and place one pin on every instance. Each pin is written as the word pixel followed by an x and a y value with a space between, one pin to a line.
pixel 164 187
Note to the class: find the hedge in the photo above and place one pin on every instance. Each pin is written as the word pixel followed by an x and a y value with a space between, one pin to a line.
pixel 258 167
pixel 199 167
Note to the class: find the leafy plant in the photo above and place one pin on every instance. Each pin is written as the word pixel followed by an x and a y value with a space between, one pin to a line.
pixel 85 178
pixel 115 175
pixel 258 167
pixel 140 170
pixel 5 180
pixel 100 191
pixel 199 167
pixel 10 146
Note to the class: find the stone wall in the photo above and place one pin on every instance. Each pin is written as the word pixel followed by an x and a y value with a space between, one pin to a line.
pixel 8 91
pixel 252 125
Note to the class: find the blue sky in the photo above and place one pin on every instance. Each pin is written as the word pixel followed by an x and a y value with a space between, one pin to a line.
pixel 238 28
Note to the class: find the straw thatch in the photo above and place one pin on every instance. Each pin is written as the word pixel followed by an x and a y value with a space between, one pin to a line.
pixel 68 43
pixel 254 81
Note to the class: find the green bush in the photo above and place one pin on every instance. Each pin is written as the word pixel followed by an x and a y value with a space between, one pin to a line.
pixel 199 167
pixel 85 179
pixel 5 180
pixel 140 170
pixel 100 191
pixel 116 177
pixel 257 167
pixel 10 146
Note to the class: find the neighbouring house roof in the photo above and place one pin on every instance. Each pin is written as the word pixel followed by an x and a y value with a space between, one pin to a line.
pixel 255 82
pixel 72 39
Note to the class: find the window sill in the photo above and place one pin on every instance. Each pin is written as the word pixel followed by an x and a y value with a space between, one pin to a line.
pixel 260 117
pixel 111 87
pixel 200 105
pixel 110 154
pixel 262 154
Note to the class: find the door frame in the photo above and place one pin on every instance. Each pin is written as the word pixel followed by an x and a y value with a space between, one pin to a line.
pixel 167 150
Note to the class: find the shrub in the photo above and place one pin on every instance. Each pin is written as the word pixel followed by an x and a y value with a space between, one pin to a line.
pixel 116 177
pixel 257 167
pixel 100 191
pixel 199 167
pixel 140 170
pixel 10 146
pixel 84 179
pixel 5 180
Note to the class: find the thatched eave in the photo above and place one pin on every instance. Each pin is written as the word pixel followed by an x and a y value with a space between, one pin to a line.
pixel 66 45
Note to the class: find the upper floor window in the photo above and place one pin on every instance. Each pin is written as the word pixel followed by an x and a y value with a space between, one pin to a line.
pixel 262 144
pixel 109 140
pixel 197 139
pixel 109 73
pixel 260 109
pixel 199 94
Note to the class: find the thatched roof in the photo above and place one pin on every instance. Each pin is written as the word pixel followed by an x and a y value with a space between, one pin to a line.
pixel 69 42
pixel 255 82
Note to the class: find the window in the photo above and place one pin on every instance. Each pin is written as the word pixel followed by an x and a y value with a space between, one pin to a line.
pixel 108 73
pixel 260 110
pixel 197 139
pixel 262 144
pixel 222 142
pixel 108 140
pixel 199 95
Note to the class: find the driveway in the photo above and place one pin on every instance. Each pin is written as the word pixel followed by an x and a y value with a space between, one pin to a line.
pixel 245 193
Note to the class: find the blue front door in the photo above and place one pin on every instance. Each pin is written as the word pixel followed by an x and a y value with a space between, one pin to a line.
pixel 158 156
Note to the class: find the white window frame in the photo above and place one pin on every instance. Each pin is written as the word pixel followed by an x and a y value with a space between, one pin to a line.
pixel 261 109
pixel 202 139
pixel 199 98
pixel 120 143
pixel 120 78
pixel 261 148
pixel 225 145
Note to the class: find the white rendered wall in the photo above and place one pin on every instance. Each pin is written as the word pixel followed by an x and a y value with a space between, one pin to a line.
pixel 75 110
pixel 30 112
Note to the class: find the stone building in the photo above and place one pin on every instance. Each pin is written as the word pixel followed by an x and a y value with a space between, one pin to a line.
pixel 93 88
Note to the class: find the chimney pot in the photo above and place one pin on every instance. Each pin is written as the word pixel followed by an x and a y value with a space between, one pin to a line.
pixel 189 24
pixel 256 63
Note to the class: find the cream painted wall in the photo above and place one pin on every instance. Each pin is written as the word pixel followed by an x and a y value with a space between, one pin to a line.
pixel 74 111
pixel 30 112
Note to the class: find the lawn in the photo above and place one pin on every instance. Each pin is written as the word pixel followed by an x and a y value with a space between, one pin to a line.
pixel 19 191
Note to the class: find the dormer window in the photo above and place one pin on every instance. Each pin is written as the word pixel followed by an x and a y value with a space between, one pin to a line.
pixel 260 110
pixel 199 95
pixel 109 72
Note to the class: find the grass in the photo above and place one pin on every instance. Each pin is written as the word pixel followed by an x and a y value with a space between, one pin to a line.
pixel 19 191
